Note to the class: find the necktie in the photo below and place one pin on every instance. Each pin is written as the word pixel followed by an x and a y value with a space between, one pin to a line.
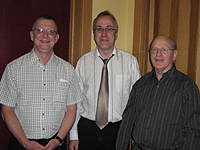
pixel 103 96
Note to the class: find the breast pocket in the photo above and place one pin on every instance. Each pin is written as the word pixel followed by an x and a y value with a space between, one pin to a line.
pixel 123 83
pixel 61 91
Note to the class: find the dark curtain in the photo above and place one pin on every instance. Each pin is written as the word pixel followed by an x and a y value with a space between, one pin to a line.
pixel 16 19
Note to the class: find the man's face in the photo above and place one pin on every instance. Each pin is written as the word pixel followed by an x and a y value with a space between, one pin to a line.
pixel 43 41
pixel 162 62
pixel 105 40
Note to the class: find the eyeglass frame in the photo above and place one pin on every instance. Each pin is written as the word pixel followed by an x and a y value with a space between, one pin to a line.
pixel 43 31
pixel 107 30
pixel 161 50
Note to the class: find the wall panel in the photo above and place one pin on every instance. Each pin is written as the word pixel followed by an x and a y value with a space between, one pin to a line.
pixel 178 19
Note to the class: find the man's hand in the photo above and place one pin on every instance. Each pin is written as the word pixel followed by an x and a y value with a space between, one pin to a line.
pixel 52 144
pixel 33 145
pixel 73 144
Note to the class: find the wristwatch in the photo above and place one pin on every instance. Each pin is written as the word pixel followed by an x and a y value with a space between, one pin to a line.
pixel 60 140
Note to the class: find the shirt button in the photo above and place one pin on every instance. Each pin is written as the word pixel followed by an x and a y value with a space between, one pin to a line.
pixel 44 84
pixel 43 99
pixel 43 114
pixel 43 69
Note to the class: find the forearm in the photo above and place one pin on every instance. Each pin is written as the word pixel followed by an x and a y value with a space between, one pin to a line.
pixel 68 121
pixel 73 134
pixel 13 124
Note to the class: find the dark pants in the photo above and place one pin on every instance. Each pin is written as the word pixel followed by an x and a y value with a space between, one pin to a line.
pixel 140 147
pixel 92 138
pixel 15 145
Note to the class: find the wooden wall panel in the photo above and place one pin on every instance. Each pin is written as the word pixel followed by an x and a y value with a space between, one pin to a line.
pixel 182 35
pixel 80 29
pixel 141 30
pixel 178 19
pixel 193 39
pixel 198 52
pixel 162 13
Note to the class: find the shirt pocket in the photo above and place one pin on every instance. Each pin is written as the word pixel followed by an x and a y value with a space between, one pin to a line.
pixel 61 91
pixel 123 83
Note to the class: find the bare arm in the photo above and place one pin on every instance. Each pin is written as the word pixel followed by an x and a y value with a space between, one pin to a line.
pixel 73 134
pixel 65 127
pixel 11 120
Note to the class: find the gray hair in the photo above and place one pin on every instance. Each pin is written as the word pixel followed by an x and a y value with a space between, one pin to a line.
pixel 106 13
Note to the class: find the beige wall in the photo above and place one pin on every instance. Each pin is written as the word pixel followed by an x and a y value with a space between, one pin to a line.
pixel 123 10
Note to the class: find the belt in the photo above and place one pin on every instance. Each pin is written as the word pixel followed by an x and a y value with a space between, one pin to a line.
pixel 86 119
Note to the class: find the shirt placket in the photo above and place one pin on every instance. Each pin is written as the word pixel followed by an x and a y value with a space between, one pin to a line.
pixel 43 103
pixel 150 113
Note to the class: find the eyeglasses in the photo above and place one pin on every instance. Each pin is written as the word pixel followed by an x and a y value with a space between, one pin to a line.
pixel 108 30
pixel 42 31
pixel 164 50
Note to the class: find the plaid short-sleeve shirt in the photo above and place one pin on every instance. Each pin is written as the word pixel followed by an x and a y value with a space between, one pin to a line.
pixel 39 93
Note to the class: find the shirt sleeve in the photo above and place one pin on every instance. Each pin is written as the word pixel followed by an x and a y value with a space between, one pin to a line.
pixel 135 69
pixel 73 134
pixel 192 118
pixel 75 93
pixel 8 88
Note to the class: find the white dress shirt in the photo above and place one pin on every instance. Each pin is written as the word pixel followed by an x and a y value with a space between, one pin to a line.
pixel 123 72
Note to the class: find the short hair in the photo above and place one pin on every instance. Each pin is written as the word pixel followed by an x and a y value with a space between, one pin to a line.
pixel 45 17
pixel 106 13
pixel 173 42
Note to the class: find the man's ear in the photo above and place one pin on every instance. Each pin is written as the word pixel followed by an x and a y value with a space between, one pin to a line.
pixel 116 35
pixel 57 37
pixel 31 35
pixel 175 53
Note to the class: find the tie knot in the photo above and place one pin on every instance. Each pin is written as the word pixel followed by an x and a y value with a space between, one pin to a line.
pixel 105 61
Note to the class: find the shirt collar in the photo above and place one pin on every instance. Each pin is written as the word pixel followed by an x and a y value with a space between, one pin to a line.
pixel 97 54
pixel 168 74
pixel 34 57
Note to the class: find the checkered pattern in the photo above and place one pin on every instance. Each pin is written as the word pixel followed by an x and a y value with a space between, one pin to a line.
pixel 39 93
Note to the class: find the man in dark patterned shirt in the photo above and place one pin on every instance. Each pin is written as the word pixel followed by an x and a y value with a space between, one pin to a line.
pixel 163 111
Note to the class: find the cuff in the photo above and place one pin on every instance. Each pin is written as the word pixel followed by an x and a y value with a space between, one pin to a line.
pixel 73 135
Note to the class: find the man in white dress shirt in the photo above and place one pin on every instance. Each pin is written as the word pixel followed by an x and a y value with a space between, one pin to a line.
pixel 123 72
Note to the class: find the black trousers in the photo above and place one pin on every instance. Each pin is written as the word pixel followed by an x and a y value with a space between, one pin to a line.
pixel 140 147
pixel 92 138
pixel 15 145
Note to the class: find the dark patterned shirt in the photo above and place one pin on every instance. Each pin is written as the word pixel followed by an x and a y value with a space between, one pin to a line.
pixel 162 114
